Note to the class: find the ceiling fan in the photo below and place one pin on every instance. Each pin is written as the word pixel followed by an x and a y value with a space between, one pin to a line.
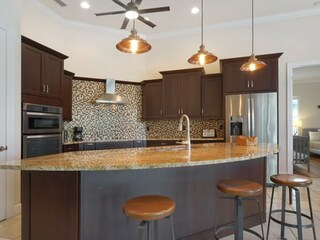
pixel 132 11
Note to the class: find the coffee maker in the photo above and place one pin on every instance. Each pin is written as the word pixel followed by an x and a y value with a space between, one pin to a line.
pixel 77 133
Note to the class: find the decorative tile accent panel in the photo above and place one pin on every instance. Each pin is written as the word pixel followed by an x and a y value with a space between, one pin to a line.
pixel 104 121
pixel 169 128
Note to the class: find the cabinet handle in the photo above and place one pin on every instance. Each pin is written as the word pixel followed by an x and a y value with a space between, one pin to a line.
pixel 251 83
pixel 182 111
pixel 161 112
pixel 179 111
pixel 47 91
pixel 248 84
pixel 43 88
pixel 202 111
pixel 3 148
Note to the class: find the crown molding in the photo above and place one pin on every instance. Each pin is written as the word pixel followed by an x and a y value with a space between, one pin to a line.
pixel 195 30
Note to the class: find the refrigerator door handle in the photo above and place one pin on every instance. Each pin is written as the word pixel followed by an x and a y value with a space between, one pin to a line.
pixel 249 116
pixel 252 116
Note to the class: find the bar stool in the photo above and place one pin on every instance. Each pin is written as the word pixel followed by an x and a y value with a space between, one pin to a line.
pixel 149 209
pixel 293 182
pixel 240 190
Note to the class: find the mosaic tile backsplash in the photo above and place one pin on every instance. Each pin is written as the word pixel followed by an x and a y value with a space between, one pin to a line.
pixel 104 122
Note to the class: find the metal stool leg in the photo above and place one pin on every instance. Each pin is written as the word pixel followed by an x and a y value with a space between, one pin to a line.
pixel 260 218
pixel 172 228
pixel 311 214
pixel 239 219
pixel 155 230
pixel 273 186
pixel 299 221
pixel 283 209
pixel 142 230
pixel 290 195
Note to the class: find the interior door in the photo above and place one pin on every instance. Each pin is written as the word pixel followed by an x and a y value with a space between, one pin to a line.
pixel 2 121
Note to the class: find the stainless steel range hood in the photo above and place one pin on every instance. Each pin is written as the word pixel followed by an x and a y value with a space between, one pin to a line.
pixel 110 97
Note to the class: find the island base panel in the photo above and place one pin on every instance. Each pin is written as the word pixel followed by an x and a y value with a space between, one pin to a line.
pixel 89 203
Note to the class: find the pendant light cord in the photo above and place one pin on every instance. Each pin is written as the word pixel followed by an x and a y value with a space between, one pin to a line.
pixel 252 30
pixel 201 22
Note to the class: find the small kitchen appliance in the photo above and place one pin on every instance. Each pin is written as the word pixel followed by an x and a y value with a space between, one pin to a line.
pixel 77 133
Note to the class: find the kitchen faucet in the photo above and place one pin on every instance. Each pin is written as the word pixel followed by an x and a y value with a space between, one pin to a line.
pixel 187 142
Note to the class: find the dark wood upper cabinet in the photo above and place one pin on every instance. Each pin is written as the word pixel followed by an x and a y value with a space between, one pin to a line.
pixel 264 80
pixel 212 96
pixel 181 93
pixel 42 73
pixel 152 99
pixel 66 87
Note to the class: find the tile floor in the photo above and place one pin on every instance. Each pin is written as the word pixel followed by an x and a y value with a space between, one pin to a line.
pixel 10 228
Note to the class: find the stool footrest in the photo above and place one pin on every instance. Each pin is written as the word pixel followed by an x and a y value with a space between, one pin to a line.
pixel 226 227
pixel 289 224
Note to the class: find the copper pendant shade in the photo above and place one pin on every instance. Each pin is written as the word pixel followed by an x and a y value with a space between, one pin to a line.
pixel 253 63
pixel 133 44
pixel 202 56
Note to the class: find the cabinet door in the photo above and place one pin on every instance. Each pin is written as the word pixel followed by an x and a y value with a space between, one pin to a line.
pixel 235 80
pixel 190 95
pixel 152 100
pixel 212 102
pixel 67 97
pixel 170 96
pixel 32 68
pixel 264 80
pixel 53 75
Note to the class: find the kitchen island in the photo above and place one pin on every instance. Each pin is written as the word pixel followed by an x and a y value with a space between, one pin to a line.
pixel 79 195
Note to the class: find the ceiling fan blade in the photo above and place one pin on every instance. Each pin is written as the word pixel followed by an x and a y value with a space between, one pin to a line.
pixel 137 2
pixel 125 23
pixel 120 3
pixel 110 13
pixel 142 19
pixel 152 10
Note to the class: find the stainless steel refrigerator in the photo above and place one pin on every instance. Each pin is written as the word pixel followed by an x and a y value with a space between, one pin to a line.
pixel 254 115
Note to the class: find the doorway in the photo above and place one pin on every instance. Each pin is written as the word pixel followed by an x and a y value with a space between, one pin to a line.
pixel 292 69
pixel 3 68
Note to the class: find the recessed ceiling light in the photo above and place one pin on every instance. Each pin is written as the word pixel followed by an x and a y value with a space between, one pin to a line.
pixel 85 5
pixel 194 10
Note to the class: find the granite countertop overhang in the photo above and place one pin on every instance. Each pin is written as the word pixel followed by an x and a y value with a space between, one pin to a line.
pixel 144 158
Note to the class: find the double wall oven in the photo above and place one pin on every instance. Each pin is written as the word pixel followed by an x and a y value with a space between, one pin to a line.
pixel 41 130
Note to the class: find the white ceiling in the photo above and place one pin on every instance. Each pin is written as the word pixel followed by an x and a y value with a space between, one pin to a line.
pixel 179 16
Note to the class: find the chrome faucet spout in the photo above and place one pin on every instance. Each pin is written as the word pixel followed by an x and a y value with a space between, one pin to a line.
pixel 188 141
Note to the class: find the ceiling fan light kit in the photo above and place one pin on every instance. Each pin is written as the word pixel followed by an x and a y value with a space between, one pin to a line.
pixel 202 56
pixel 253 63
pixel 133 44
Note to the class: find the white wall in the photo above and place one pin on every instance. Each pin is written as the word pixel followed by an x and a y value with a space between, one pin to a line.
pixel 10 20
pixel 309 97
pixel 92 52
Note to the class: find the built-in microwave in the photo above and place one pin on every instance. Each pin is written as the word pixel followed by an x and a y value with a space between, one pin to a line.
pixel 38 119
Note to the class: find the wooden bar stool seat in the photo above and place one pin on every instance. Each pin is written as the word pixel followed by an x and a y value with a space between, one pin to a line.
pixel 293 182
pixel 149 209
pixel 240 190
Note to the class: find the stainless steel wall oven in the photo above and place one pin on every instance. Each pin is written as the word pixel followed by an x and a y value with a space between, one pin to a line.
pixel 41 130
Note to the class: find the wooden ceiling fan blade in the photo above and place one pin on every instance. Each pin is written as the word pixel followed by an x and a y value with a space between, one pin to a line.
pixel 120 3
pixel 153 10
pixel 110 13
pixel 137 2
pixel 125 23
pixel 142 19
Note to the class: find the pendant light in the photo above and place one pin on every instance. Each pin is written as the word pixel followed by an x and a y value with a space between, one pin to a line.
pixel 202 56
pixel 253 63
pixel 133 44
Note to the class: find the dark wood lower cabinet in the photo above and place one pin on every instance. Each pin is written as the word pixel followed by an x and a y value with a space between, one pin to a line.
pixel 87 205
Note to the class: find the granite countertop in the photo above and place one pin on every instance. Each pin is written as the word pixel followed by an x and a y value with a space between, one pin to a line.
pixel 144 158
pixel 151 139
